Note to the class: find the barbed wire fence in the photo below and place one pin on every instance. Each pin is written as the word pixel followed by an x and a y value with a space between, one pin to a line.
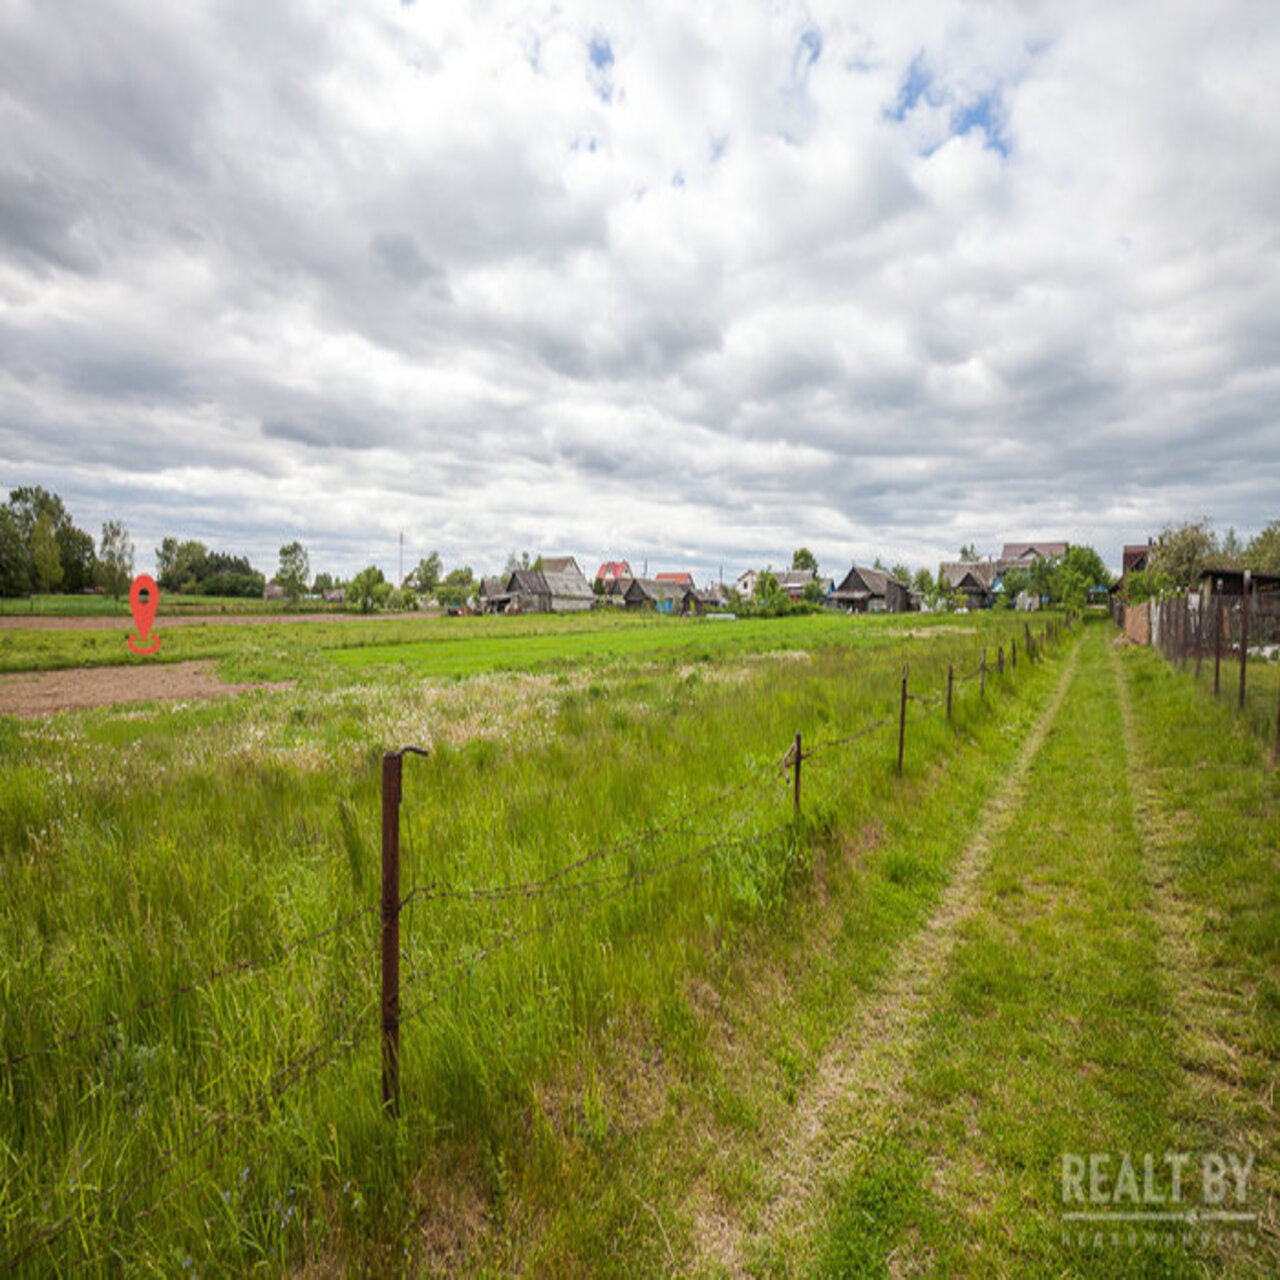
pixel 579 888
pixel 1235 627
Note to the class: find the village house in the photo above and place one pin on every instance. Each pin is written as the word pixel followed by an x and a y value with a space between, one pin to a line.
pixel 1022 555
pixel 557 587
pixel 864 590
pixel 1133 559
pixel 613 571
pixel 981 581
pixel 794 582
pixel 663 596
pixel 975 580
pixel 488 592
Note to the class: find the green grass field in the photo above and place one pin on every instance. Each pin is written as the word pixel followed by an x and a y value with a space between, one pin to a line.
pixel 171 604
pixel 336 651
pixel 632 980
pixel 1262 689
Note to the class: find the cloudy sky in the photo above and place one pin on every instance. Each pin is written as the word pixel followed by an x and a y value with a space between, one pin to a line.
pixel 691 283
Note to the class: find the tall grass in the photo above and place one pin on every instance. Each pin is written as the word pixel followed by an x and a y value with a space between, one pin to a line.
pixel 140 851
pixel 1261 709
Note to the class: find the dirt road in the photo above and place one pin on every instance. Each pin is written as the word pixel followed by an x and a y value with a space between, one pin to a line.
pixel 31 694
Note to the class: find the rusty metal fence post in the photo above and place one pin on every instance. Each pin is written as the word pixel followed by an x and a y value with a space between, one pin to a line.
pixel 392 768
pixel 1013 654
pixel 1244 634
pixel 982 670
pixel 1217 646
pixel 1000 659
pixel 902 720
pixel 799 756
pixel 951 675
pixel 1199 633
pixel 1275 746
pixel 392 779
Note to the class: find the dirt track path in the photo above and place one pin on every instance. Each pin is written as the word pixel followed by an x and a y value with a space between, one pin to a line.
pixel 855 1086
pixel 32 694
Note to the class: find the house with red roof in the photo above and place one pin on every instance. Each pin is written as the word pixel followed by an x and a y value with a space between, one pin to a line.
pixel 613 571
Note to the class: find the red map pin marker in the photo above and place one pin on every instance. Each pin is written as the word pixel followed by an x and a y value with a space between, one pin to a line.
pixel 144 612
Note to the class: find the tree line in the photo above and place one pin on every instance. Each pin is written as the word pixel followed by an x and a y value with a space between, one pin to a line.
pixel 43 550
pixel 1179 552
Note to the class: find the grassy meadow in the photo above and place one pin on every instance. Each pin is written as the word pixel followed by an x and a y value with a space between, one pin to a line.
pixel 144 848
pixel 1262 690
pixel 652 1023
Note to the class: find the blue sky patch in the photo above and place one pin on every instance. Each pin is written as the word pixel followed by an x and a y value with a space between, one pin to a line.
pixel 718 147
pixel 677 179
pixel 916 84
pixel 600 51
pixel 600 54
pixel 986 115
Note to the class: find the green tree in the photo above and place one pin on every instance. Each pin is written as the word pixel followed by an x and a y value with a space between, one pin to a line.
pixel 902 573
pixel 294 570
pixel 1263 552
pixel 1015 581
pixel 1082 562
pixel 323 583
pixel 457 587
pixel 45 557
pixel 813 592
pixel 515 562
pixel 1181 551
pixel 166 558
pixel 803 558
pixel 426 576
pixel 1041 574
pixel 182 566
pixel 768 599
pixel 14 579
pixel 402 600
pixel 79 559
pixel 968 553
pixel 28 503
pixel 1142 584
pixel 1071 587
pixel 1231 552
pixel 364 588
pixel 75 547
pixel 923 584
pixel 115 558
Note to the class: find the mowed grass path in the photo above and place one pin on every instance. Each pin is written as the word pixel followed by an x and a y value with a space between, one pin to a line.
pixel 1063 1026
